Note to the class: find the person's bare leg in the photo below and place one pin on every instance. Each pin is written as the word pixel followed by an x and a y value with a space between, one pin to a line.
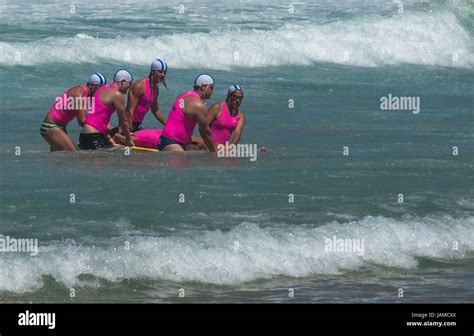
pixel 173 148
pixel 120 138
pixel 191 147
pixel 59 140
pixel 199 143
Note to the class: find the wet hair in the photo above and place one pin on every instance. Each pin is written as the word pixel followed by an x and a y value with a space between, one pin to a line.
pixel 113 131
pixel 164 79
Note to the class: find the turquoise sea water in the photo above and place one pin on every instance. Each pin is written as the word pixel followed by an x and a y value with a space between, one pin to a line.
pixel 237 237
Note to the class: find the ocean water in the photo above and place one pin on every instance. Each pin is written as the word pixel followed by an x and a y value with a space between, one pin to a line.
pixel 247 231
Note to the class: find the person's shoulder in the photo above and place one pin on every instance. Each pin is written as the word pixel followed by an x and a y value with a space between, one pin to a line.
pixel 76 90
pixel 216 106
pixel 194 104
pixel 139 82
pixel 193 99
pixel 139 85
pixel 116 94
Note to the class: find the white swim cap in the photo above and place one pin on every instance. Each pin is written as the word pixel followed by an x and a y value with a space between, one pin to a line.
pixel 159 65
pixel 203 79
pixel 97 78
pixel 123 75
pixel 234 87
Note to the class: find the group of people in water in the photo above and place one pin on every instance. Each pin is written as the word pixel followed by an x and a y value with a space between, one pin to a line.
pixel 94 104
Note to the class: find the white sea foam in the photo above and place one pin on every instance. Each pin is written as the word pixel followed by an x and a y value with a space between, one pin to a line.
pixel 246 253
pixel 421 37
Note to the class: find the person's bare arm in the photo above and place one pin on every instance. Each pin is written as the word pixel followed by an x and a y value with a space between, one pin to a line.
pixel 199 143
pixel 137 90
pixel 197 109
pixel 81 113
pixel 119 138
pixel 212 112
pixel 204 129
pixel 115 137
pixel 119 102
pixel 81 117
pixel 111 139
pixel 238 130
pixel 155 109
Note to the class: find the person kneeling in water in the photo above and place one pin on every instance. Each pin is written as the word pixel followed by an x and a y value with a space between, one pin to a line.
pixel 147 138
pixel 108 99
pixel 225 118
pixel 73 103
pixel 226 121
pixel 143 96
pixel 187 111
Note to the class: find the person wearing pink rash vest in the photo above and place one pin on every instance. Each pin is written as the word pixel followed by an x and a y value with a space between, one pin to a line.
pixel 146 138
pixel 107 100
pixel 187 111
pixel 225 118
pixel 72 103
pixel 144 95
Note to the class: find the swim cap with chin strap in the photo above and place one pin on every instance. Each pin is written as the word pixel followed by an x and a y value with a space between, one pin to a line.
pixel 203 79
pixel 123 75
pixel 233 88
pixel 97 79
pixel 159 65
